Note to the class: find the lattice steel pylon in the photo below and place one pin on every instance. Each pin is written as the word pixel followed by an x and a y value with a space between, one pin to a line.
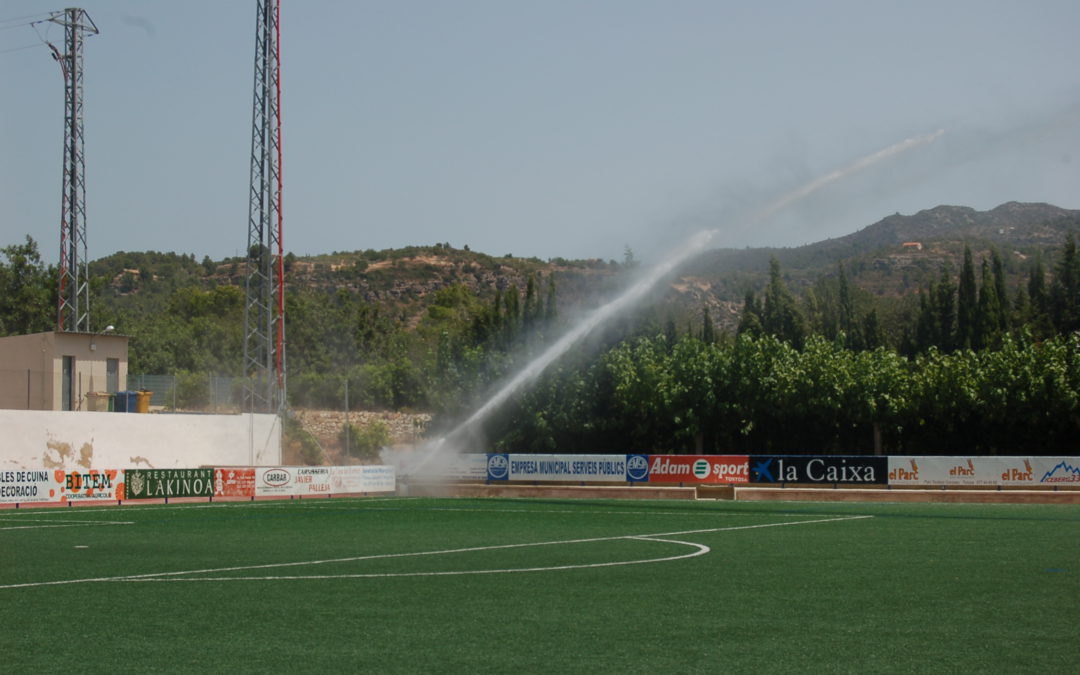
pixel 73 310
pixel 264 309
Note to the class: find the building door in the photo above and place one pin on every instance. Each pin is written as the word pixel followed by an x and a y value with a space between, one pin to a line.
pixel 67 385
pixel 112 375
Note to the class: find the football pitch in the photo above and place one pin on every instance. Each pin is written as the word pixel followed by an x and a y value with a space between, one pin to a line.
pixel 500 585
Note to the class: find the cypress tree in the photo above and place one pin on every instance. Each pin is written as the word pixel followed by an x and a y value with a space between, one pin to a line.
pixel 708 331
pixel 1065 295
pixel 988 315
pixel 998 268
pixel 944 308
pixel 966 302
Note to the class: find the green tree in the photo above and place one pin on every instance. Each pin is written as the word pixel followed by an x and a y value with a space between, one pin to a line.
pixel 28 292
pixel 781 316
pixel 708 330
pixel 998 268
pixel 988 321
pixel 966 303
pixel 1065 293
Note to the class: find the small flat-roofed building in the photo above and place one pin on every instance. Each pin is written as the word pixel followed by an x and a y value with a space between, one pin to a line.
pixel 62 371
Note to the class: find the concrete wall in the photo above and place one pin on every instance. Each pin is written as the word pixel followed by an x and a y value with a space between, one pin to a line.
pixel 31 368
pixel 33 439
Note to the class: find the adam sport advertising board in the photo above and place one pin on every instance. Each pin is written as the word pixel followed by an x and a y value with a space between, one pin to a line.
pixel 720 469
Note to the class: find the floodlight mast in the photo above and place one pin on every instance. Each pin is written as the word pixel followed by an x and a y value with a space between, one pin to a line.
pixel 73 310
pixel 264 308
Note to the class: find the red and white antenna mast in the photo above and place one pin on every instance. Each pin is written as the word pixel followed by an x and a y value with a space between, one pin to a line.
pixel 264 309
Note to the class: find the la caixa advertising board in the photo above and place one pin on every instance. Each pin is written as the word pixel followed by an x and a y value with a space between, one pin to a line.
pixel 855 470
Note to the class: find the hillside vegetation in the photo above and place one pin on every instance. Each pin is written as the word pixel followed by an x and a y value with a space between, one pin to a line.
pixel 919 311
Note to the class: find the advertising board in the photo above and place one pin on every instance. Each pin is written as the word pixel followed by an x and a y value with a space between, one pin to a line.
pixel 716 469
pixel 970 470
pixel 28 486
pixel 292 481
pixel 234 482
pixel 463 467
pixel 74 486
pixel 859 470
pixel 363 478
pixel 164 483
pixel 536 467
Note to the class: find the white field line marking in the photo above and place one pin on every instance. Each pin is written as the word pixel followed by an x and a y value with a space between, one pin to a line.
pixel 54 523
pixel 384 556
pixel 700 549
pixel 268 504
pixel 440 509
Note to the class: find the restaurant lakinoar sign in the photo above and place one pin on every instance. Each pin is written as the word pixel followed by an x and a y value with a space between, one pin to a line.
pixel 535 467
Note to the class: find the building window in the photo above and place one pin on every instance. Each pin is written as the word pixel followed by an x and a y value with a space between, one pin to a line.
pixel 112 375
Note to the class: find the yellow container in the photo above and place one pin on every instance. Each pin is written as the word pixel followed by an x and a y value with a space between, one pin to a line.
pixel 97 401
pixel 142 401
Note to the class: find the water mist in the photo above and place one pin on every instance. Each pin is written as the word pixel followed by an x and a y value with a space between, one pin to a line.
pixel 427 463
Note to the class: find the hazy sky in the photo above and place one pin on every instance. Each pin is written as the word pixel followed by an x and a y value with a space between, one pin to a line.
pixel 541 128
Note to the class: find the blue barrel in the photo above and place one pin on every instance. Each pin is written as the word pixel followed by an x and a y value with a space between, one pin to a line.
pixel 125 401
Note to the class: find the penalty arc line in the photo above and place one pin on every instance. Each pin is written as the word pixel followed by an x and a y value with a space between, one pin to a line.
pixel 384 556
pixel 700 549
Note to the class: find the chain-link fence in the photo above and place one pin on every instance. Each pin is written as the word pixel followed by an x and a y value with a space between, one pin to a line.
pixel 25 389
pixel 191 391
pixel 37 389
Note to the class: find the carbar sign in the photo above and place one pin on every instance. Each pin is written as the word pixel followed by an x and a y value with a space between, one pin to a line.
pixel 723 469
pixel 818 469
pixel 292 480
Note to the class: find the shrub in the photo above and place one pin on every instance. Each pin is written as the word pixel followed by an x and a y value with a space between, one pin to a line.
pixel 364 442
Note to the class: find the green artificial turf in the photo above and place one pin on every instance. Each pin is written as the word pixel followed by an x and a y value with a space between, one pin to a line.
pixel 215 587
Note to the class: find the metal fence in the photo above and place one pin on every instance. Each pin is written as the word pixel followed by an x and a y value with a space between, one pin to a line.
pixel 190 391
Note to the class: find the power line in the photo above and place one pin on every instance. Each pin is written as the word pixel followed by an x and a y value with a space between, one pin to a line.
pixel 16 49
pixel 28 16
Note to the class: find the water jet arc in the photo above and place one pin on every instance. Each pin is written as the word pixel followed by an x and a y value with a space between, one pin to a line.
pixel 636 291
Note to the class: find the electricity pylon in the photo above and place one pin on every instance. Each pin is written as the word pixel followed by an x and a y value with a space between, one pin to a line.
pixel 73 311
pixel 264 308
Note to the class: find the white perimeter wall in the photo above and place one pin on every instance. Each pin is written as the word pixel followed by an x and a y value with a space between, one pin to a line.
pixel 42 439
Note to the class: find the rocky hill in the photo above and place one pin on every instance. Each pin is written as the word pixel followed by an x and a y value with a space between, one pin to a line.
pixel 892 257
